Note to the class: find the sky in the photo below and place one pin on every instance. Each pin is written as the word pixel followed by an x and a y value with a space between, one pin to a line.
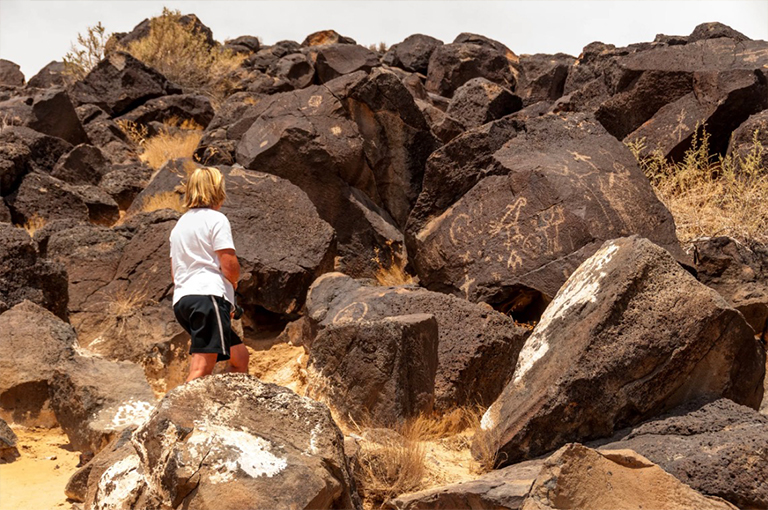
pixel 35 32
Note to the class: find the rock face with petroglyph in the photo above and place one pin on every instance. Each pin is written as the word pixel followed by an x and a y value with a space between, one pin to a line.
pixel 477 346
pixel 544 203
pixel 631 334
pixel 222 440
pixel 380 372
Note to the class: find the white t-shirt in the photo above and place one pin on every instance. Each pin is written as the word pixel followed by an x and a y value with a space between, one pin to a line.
pixel 197 236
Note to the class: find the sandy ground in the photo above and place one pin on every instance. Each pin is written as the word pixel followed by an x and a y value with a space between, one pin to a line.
pixel 36 480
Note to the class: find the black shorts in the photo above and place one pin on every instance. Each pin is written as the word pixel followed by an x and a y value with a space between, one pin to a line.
pixel 206 319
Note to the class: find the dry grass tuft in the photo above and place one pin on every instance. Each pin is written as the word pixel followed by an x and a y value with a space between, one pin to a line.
pixel 393 273
pixel 88 52
pixel 183 55
pixel 165 200
pixel 176 141
pixel 711 196
pixel 136 133
pixel 33 224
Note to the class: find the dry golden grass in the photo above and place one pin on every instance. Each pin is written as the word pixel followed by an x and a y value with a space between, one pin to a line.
pixel 172 143
pixel 393 273
pixel 136 133
pixel 711 196
pixel 165 200
pixel 33 224
pixel 183 55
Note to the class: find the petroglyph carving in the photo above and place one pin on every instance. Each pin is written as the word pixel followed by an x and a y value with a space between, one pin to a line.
pixel 681 126
pixel 353 312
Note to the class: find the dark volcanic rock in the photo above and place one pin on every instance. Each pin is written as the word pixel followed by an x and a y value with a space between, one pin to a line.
pixel 243 44
pixel 413 53
pixel 294 69
pixel 95 399
pixel 85 164
pixel 717 449
pixel 125 182
pixel 325 37
pixel 174 108
pixel 340 59
pixel 120 83
pixel 542 77
pixel 630 324
pixel 452 65
pixel 480 101
pixel 273 449
pixel 382 370
pixel 10 74
pixel 5 214
pixel 23 150
pixel 33 342
pixel 49 111
pixel 25 276
pixel 737 273
pixel 102 209
pixel 715 30
pixel 742 141
pixel 511 228
pixel 477 347
pixel 143 29
pixel 105 134
pixel 43 196
pixel 118 449
pixel 8 440
pixel 52 75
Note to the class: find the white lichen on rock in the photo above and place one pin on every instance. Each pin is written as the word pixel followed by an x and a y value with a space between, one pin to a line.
pixel 119 485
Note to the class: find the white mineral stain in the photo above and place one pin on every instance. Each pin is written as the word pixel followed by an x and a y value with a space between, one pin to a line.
pixel 490 417
pixel 227 450
pixel 133 412
pixel 580 288
pixel 117 483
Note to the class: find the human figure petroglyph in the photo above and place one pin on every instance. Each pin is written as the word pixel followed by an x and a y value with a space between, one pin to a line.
pixel 681 126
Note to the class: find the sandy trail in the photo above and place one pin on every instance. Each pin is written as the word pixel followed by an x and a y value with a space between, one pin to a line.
pixel 36 480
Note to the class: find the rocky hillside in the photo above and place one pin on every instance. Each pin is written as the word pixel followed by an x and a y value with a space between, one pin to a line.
pixel 441 227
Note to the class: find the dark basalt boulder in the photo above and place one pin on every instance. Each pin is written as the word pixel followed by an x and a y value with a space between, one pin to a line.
pixel 43 196
pixel 274 449
pixel 632 324
pixel 33 342
pixel 8 440
pixel 542 77
pixel 52 75
pixel 120 83
pixel 477 346
pixel 267 56
pixel 26 276
pixel 102 209
pixel 243 44
pixel 176 108
pixel 5 214
pixel 340 59
pixel 381 370
pixel 124 182
pixel 743 138
pixel 84 164
pixel 142 30
pixel 23 150
pixel 413 53
pixel 10 74
pixel 737 273
pixel 715 30
pixel 452 65
pixel 510 229
pixel 105 134
pixel 480 101
pixel 714 448
pixel 48 111
pixel 325 37
pixel 295 69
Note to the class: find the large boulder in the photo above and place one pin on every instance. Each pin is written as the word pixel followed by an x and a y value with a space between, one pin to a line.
pixel 743 138
pixel 477 346
pixel 509 229
pixel 105 134
pixel 84 164
pixel 10 74
pixel 23 150
pixel 337 60
pixel 120 83
pixel 48 111
pixel 94 399
pixel 716 448
pixel 42 196
pixel 380 372
pixel 8 440
pixel 737 273
pixel 630 324
pixel 579 477
pixel 24 275
pixel 470 56
pixel 51 75
pixel 413 53
pixel 325 37
pixel 221 440
pixel 479 101
pixel 33 342
pixel 296 71
pixel 78 488
pixel 144 28
pixel 542 77
pixel 715 30
pixel 176 108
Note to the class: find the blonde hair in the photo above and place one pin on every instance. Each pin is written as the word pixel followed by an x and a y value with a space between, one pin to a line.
pixel 205 188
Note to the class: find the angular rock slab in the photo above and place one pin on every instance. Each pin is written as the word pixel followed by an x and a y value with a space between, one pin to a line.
pixel 546 201
pixel 221 440
pixel 477 346
pixel 631 334
pixel 33 342
pixel 717 448
pixel 49 111
pixel 379 371
pixel 8 440
pixel 579 477
pixel 479 101
pixel 412 54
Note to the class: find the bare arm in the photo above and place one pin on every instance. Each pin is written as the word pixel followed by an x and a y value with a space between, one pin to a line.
pixel 230 267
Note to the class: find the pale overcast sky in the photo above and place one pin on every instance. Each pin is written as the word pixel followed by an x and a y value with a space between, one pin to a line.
pixel 34 32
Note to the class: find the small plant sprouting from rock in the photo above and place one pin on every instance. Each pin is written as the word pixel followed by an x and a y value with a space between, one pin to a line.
pixel 88 52
pixel 33 224
pixel 393 273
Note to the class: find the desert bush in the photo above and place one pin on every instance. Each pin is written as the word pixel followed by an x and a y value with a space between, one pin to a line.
pixel 175 140
pixel 711 195
pixel 86 53
pixel 165 200
pixel 183 55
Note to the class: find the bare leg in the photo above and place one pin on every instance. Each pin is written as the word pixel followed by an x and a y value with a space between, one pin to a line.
pixel 201 364
pixel 238 359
